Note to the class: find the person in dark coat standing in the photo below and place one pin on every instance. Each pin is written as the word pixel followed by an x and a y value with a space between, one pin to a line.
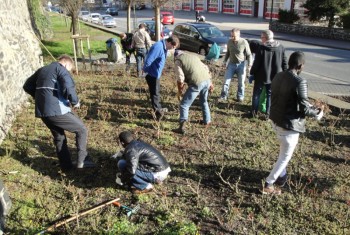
pixel 269 60
pixel 289 107
pixel 141 165
pixel 126 41
pixel 53 89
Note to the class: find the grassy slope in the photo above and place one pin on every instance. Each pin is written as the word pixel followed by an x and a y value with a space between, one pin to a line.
pixel 216 172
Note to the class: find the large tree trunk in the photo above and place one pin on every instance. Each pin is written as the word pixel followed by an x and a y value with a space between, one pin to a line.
pixel 128 18
pixel 157 19
pixel 75 31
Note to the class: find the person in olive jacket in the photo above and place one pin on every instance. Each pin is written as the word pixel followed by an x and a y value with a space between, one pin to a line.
pixel 53 89
pixel 289 107
pixel 141 165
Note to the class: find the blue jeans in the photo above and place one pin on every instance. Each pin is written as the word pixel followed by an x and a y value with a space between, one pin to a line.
pixel 141 178
pixel 231 70
pixel 190 95
pixel 258 87
pixel 140 57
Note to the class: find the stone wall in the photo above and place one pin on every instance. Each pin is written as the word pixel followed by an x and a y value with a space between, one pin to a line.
pixel 314 31
pixel 20 56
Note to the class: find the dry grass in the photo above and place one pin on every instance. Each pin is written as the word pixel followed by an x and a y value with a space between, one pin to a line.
pixel 216 172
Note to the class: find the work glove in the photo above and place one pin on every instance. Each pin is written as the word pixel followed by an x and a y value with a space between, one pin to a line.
pixel 251 79
pixel 77 105
pixel 179 95
pixel 211 88
pixel 118 155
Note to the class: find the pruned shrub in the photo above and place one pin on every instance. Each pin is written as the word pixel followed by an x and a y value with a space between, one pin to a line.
pixel 286 16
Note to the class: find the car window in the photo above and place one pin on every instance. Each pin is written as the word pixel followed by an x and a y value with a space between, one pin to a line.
pixel 178 28
pixel 185 29
pixel 193 31
pixel 210 32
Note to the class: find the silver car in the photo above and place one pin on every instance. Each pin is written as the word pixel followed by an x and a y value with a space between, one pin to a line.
pixel 107 21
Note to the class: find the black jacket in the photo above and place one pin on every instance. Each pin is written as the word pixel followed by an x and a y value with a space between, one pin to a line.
pixel 142 156
pixel 289 101
pixel 269 60
pixel 53 89
pixel 127 43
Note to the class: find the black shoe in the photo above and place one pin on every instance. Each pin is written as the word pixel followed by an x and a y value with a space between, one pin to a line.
pixel 86 164
pixel 281 181
pixel 160 113
pixel 181 129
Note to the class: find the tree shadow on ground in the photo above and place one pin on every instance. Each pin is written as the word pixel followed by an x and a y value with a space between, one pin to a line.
pixel 332 159
pixel 46 163
pixel 248 180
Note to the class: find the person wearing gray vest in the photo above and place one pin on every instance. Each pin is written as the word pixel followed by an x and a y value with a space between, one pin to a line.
pixel 190 69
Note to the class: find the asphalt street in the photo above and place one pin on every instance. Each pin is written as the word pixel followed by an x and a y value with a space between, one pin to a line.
pixel 327 65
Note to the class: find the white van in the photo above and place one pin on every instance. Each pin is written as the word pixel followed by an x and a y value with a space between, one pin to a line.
pixel 94 17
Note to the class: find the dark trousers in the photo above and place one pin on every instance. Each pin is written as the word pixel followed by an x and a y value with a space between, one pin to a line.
pixel 154 91
pixel 72 123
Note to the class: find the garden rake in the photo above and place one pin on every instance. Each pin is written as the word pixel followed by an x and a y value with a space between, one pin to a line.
pixel 129 210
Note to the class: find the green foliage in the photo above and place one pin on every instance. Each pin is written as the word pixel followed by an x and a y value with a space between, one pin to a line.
pixel 318 9
pixel 40 22
pixel 62 43
pixel 123 227
pixel 286 16
pixel 346 20
pixel 179 228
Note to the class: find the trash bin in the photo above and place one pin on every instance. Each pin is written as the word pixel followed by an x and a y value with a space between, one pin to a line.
pixel 114 51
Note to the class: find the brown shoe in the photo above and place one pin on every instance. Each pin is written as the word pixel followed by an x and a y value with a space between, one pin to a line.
pixel 271 190
pixel 139 191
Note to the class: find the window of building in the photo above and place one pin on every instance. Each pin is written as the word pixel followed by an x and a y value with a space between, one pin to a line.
pixel 228 6
pixel 246 7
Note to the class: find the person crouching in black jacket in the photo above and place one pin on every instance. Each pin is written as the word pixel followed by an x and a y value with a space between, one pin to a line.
pixel 141 165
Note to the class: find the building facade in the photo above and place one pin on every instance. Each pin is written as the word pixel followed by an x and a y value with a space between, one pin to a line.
pixel 256 8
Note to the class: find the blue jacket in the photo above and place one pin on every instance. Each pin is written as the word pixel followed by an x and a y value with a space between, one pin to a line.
pixel 155 59
pixel 53 89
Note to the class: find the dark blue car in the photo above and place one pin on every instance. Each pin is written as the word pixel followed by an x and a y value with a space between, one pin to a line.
pixel 199 37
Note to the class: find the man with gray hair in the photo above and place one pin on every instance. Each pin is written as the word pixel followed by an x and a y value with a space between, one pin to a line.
pixel 269 60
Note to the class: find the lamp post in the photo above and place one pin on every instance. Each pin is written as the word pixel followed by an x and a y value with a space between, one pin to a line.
pixel 271 12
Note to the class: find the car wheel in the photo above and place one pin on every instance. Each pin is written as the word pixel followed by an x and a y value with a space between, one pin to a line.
pixel 202 51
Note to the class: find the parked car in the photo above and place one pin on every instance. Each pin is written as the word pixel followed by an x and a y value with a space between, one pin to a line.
pixel 112 11
pixel 94 17
pixel 166 17
pixel 84 15
pixel 107 21
pixel 198 37
pixel 151 29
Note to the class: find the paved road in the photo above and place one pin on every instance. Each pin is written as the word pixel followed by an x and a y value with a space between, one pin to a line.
pixel 327 66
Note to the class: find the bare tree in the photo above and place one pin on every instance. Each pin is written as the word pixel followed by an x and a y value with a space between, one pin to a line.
pixel 157 5
pixel 72 8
